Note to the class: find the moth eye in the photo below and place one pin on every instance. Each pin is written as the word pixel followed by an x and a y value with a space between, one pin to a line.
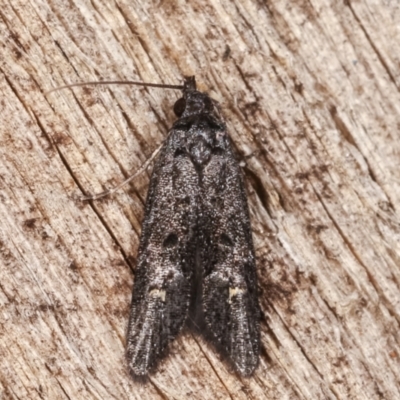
pixel 171 240
pixel 179 107
pixel 225 240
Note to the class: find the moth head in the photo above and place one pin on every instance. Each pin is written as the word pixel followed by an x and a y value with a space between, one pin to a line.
pixel 194 103
pixel 179 107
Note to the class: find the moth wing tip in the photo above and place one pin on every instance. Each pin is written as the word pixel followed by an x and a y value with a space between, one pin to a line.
pixel 138 372
pixel 247 368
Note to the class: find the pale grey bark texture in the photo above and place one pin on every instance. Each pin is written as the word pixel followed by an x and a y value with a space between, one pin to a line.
pixel 310 91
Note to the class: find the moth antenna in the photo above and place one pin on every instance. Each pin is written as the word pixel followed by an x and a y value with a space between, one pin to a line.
pixel 119 186
pixel 146 164
pixel 95 83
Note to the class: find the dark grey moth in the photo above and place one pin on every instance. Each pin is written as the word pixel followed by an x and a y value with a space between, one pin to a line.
pixel 196 258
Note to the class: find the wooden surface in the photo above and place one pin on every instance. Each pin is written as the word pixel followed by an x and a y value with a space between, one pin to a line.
pixel 310 91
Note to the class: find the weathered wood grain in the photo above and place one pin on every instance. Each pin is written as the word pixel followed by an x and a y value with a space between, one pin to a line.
pixel 310 91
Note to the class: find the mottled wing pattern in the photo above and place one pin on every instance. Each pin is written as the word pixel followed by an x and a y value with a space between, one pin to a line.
pixel 230 303
pixel 161 293
pixel 196 254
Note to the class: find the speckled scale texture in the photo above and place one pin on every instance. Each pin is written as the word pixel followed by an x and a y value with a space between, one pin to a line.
pixel 196 259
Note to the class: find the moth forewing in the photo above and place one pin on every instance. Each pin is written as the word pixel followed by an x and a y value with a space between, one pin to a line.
pixel 161 293
pixel 230 289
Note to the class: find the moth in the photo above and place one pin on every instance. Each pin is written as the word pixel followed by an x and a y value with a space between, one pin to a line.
pixel 196 261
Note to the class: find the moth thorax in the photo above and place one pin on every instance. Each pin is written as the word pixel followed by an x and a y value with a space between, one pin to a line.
pixel 200 151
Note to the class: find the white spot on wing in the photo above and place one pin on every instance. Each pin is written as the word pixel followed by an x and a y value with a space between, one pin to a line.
pixel 157 293
pixel 234 292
